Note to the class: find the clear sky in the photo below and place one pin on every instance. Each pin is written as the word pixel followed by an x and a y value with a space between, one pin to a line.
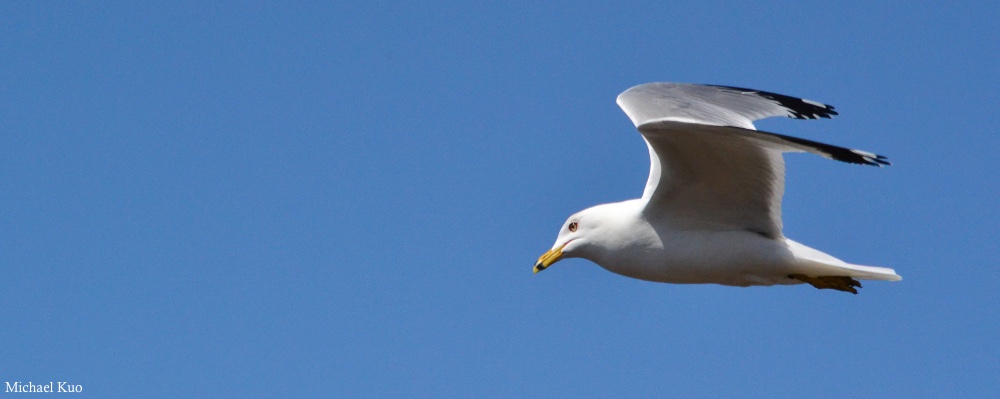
pixel 206 199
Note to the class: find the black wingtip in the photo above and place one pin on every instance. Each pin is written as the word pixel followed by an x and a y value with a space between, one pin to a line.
pixel 798 108
pixel 883 161
pixel 865 158
pixel 842 154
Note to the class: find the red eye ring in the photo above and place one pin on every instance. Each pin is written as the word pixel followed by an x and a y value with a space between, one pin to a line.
pixel 572 226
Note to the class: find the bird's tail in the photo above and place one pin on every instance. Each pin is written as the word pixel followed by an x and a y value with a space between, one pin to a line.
pixel 816 264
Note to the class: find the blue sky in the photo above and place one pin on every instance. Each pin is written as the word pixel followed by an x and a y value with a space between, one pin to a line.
pixel 346 200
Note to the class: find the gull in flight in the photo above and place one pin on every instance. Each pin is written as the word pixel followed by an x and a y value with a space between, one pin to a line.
pixel 711 210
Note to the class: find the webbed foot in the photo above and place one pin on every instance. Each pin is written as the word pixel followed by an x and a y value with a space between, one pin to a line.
pixel 839 283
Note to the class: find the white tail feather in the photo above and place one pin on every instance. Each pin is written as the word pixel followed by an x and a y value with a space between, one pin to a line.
pixel 817 263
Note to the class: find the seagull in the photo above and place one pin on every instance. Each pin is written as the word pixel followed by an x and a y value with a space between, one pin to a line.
pixel 711 210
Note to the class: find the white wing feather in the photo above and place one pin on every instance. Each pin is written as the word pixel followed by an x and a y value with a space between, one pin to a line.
pixel 709 167
pixel 713 105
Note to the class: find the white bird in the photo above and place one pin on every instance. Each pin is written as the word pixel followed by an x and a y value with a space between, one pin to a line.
pixel 711 210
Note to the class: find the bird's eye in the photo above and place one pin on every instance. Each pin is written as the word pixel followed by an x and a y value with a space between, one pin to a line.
pixel 572 226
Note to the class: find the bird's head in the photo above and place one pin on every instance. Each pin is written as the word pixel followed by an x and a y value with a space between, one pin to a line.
pixel 571 236
pixel 594 234
pixel 580 236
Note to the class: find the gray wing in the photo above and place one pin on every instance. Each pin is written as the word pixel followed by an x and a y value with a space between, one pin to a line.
pixel 714 105
pixel 709 167
pixel 708 177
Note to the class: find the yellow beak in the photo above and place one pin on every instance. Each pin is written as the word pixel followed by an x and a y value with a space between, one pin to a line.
pixel 548 258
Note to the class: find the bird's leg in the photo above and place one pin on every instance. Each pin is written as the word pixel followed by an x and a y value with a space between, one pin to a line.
pixel 839 283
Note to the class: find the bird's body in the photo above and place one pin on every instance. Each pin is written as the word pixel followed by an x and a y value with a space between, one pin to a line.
pixel 711 210
pixel 634 246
